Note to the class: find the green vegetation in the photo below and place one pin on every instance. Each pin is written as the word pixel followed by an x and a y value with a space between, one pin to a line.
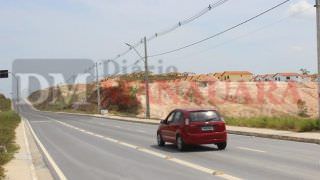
pixel 117 99
pixel 72 101
pixel 9 120
pixel 140 76
pixel 280 123
pixel 5 104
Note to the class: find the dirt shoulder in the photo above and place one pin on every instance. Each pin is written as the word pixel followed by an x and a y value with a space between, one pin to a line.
pixel 28 163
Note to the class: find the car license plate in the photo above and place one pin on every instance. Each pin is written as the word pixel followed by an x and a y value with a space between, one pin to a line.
pixel 207 128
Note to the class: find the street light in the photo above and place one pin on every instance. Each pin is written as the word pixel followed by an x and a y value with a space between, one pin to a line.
pixel 317 6
pixel 146 73
pixel 132 47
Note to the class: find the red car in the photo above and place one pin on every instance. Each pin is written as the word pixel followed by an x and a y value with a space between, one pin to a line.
pixel 193 127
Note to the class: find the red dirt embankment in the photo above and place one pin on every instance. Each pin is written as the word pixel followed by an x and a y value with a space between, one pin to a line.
pixel 245 99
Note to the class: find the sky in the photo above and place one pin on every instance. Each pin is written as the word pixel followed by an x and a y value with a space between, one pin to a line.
pixel 283 40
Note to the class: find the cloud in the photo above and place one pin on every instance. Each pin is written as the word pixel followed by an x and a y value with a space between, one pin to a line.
pixel 303 8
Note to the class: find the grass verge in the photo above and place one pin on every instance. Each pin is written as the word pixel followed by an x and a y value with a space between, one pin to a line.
pixel 9 120
pixel 280 123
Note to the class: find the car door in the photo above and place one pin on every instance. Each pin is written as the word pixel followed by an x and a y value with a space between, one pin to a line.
pixel 165 128
pixel 175 125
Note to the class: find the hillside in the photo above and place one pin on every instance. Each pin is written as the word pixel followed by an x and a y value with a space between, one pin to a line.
pixel 233 99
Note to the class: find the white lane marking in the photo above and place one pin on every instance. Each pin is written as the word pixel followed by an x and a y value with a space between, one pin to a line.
pixel 33 172
pixel 128 145
pixel 46 153
pixel 40 122
pixel 250 149
pixel 118 127
pixel 193 166
pixel 154 153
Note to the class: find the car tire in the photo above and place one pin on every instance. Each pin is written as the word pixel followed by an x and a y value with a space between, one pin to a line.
pixel 222 146
pixel 180 143
pixel 160 141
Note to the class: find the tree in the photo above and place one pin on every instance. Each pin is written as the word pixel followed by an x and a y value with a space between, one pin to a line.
pixel 304 71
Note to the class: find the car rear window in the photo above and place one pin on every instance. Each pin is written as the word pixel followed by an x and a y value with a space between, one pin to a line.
pixel 203 116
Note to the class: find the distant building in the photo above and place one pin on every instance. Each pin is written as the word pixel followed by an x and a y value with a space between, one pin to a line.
pixel 265 77
pixel 236 76
pixel 258 78
pixel 206 78
pixel 269 77
pixel 287 77
pixel 217 76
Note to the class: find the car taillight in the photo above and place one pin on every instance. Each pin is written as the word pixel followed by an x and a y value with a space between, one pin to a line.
pixel 187 121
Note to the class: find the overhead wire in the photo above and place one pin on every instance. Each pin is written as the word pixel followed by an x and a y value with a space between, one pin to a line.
pixel 220 33
pixel 166 31
pixel 249 33
pixel 188 20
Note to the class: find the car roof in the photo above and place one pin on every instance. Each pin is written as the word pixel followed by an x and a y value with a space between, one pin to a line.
pixel 195 109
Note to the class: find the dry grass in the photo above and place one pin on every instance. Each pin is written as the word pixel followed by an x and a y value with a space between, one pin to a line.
pixel 280 123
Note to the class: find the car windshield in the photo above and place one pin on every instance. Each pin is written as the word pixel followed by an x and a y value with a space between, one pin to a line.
pixel 203 116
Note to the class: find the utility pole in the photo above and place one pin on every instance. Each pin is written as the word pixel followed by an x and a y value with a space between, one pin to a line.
pixel 98 89
pixel 146 78
pixel 146 73
pixel 318 53
pixel 17 86
pixel 18 91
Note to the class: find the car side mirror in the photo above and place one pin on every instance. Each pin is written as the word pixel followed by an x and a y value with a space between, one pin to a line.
pixel 163 122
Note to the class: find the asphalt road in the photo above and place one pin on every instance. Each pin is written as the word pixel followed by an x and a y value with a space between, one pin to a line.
pixel 96 148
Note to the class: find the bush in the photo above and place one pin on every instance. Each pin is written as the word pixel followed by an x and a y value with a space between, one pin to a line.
pixel 302 108
pixel 279 123
pixel 5 104
pixel 121 99
pixel 8 123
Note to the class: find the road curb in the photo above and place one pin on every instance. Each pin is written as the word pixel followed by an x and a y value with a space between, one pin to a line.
pixel 274 136
pixel 262 135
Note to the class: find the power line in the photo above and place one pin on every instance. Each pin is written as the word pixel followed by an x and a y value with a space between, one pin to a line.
pixel 164 32
pixel 222 32
pixel 176 26
pixel 188 20
pixel 248 33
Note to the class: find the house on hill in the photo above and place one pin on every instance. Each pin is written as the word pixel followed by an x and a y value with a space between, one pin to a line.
pixel 265 77
pixel 236 76
pixel 217 76
pixel 290 77
pixel 258 78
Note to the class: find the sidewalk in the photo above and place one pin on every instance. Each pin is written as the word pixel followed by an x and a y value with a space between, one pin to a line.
pixel 307 137
pixel 27 163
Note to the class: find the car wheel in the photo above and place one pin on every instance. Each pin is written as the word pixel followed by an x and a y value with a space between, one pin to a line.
pixel 222 146
pixel 160 140
pixel 180 143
